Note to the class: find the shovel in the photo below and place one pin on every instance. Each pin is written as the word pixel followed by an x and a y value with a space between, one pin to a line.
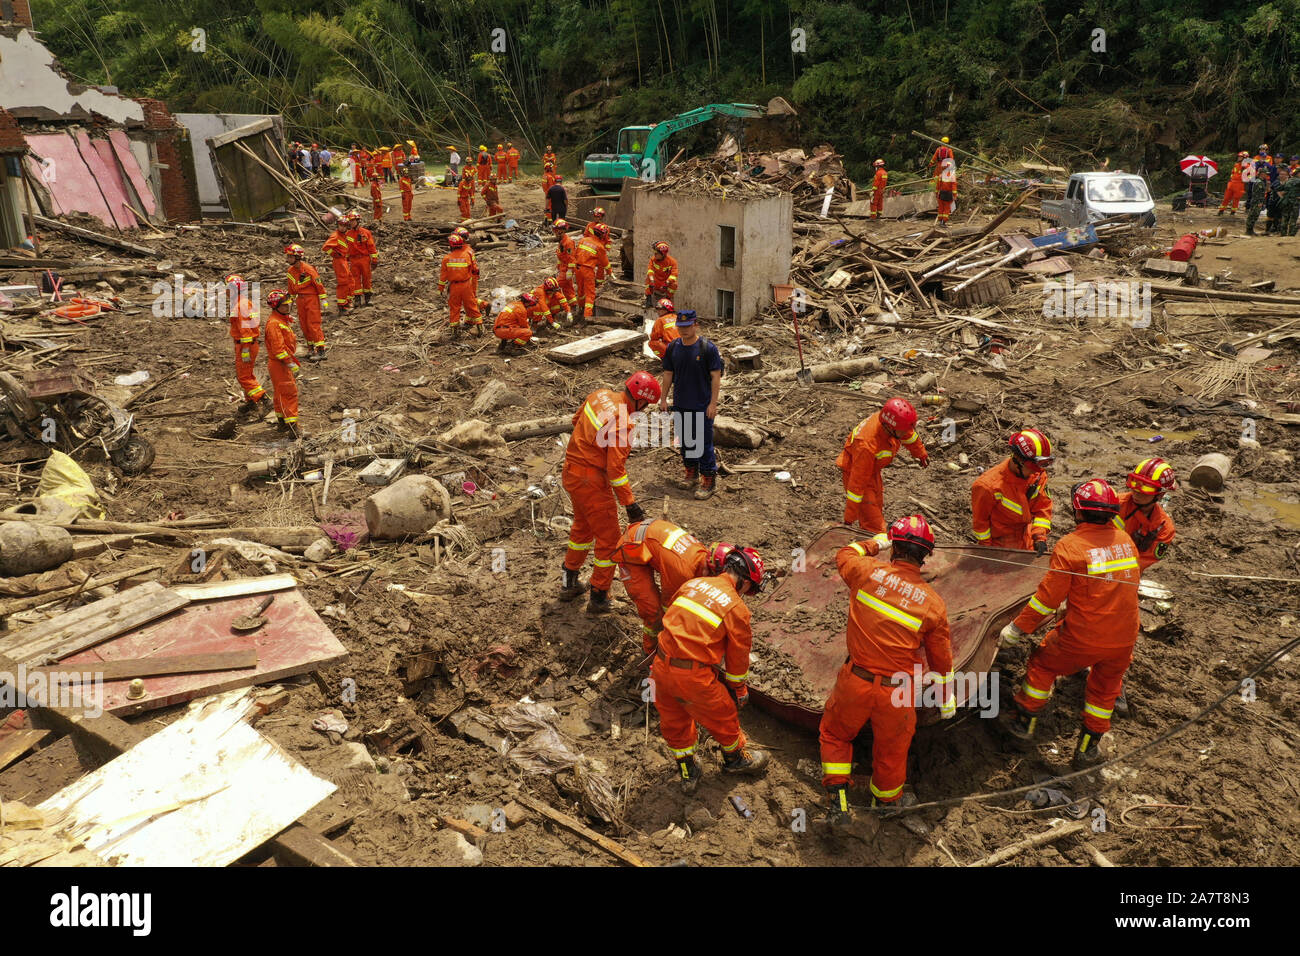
pixel 251 622
pixel 804 375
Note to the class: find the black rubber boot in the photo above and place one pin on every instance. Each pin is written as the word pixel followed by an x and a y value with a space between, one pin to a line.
pixel 745 760
pixel 368 295
pixel 1121 705
pixel 689 773
pixel 838 813
pixel 570 586
pixel 1087 750
pixel 598 602
pixel 894 807
pixel 1018 724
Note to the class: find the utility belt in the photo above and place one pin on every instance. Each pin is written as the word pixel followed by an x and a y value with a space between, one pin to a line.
pixel 682 662
pixel 871 678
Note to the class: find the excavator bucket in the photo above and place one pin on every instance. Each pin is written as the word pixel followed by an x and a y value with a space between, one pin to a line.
pixel 801 624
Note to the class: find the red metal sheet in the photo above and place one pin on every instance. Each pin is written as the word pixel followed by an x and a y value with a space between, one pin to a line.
pixel 982 595
pixel 293 641
pixel 73 187
pixel 122 149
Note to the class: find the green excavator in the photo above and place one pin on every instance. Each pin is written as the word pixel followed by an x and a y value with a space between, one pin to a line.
pixel 641 153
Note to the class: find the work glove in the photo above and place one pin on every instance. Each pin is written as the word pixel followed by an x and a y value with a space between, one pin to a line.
pixel 296 370
pixel 554 326
pixel 1011 634
pixel 924 460
pixel 635 513
pixel 649 300
pixel 374 257
pixel 1040 546
pixel 568 318
pixel 742 696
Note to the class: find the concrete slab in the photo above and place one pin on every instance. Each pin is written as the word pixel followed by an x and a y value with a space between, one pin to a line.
pixel 594 346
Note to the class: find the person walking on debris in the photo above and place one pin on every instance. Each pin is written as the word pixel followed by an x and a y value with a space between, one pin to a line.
pixel 942 152
pixel 376 200
pixel 664 331
pixel 308 292
pixel 491 196
pixel 337 245
pixel 660 547
pixel 244 322
pixel 1009 503
pixel 1095 574
pixel 484 164
pixel 566 250
pixel 557 198
pixel 549 158
pixel 503 164
pixel 868 450
pixel 465 194
pixel 1258 197
pixel 879 183
pixel 1236 187
pixel 362 255
pixel 591 263
pixel 408 191
pixel 456 279
pixel 894 616
pixel 281 363
pixel 660 275
pixel 707 629
pixel 512 157
pixel 692 367
pixel 595 471
pixel 360 158
pixel 554 303
pixel 946 189
pixel 473 258
pixel 513 325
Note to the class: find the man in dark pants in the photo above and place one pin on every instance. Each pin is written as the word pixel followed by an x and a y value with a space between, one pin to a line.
pixel 559 199
pixel 693 376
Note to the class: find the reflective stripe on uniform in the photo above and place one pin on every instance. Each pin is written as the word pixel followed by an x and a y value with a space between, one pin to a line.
pixel 910 438
pixel 733 746
pixel 1042 523
pixel 983 535
pixel 856 499
pixel 581 546
pixel 885 794
pixel 894 614
pixel 837 769
pixel 641 530
pixel 1117 522
pixel 1009 504
pixel 1040 607
pixel 736 678
pixel 1106 567
pixel 1097 711
pixel 591 416
pixel 619 482
pixel 1035 693
pixel 859 548
pixel 699 610
pixel 682 753
pixel 673 538
pixel 885 454
pixel 601 563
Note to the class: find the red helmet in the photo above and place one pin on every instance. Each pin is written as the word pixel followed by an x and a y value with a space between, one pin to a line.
pixel 598 212
pixel 899 415
pixel 1095 498
pixel 455 241
pixel 879 162
pixel 236 280
pixel 276 297
pixel 551 284
pixel 746 563
pixel 293 249
pixel 914 529
pixel 718 552
pixel 560 225
pixel 559 178
pixel 600 231
pixel 1031 446
pixel 1154 476
pixel 644 386
pixel 665 305
pixel 462 232
pixel 528 299
pixel 661 247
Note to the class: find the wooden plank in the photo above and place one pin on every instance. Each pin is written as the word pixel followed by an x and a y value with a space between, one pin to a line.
pixel 97 237
pixel 154 666
pixel 36 640
pixel 57 594
pixel 569 823
pixel 237 587
pixel 595 346
pixel 18 743
pixel 300 846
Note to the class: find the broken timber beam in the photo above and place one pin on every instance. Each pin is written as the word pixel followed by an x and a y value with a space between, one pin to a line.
pixel 830 371
pixel 536 428
pixel 572 825
pixel 97 237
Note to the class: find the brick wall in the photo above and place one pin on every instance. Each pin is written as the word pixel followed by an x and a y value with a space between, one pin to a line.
pixel 11 135
pixel 180 194
pixel 16 11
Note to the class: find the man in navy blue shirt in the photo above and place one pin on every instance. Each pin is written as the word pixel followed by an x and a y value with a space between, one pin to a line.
pixel 693 377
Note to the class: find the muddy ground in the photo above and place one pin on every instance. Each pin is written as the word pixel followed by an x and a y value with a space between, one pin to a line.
pixel 429 642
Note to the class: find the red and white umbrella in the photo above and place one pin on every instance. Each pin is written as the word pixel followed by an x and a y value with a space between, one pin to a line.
pixel 1198 166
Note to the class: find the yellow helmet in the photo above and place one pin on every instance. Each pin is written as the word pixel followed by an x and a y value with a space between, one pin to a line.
pixel 482 147
pixel 945 139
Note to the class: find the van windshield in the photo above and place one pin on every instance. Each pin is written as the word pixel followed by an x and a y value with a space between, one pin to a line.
pixel 1118 190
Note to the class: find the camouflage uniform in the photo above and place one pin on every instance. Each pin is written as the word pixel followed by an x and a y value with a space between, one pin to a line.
pixel 1288 206
pixel 1258 195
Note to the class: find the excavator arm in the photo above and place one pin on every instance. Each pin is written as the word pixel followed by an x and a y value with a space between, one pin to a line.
pixel 661 131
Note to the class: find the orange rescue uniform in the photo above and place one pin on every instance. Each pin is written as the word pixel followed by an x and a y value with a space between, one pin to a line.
pixel 878 184
pixel 512 324
pixel 550 303
pixel 893 615
pixel 592 263
pixel 1235 189
pixel 361 254
pixel 492 198
pixel 663 333
pixel 595 471
pixel 408 196
pixel 867 451
pixel 1008 511
pixel 1095 571
pixel 512 154
pixel 281 363
pixel 706 626
pixel 661 277
pixel 465 195
pixel 376 200
pixel 657 546
pixel 337 245
pixel 307 289
pixel 503 164
pixel 457 279
pixel 1151 529
pixel 565 251
pixel 243 329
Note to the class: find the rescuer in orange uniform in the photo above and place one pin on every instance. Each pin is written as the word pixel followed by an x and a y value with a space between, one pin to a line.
pixel 513 325
pixel 399 159
pixel 707 626
pixel 893 616
pixel 660 275
pixel 592 266
pixel 377 198
pixel 548 180
pixel 362 256
pixel 566 250
pixel 941 152
pixel 665 327
pixel 550 157
pixel 879 183
pixel 457 280
pixel 512 156
pixel 1140 514
pixel 1009 503
pixel 503 163
pixel 360 160
pixel 473 257
pixel 337 245
pixel 308 292
pixel 597 217
pixel 554 304
pixel 408 191
pixel 281 363
pixel 1095 571
pixel 244 321
pixel 869 449
pixel 465 193
pixel 945 187
pixel 491 197
pixel 595 470
pixel 1236 188
pixel 649 546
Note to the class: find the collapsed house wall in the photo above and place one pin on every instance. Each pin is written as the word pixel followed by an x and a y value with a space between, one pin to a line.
pixel 204 126
pixel 33 88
